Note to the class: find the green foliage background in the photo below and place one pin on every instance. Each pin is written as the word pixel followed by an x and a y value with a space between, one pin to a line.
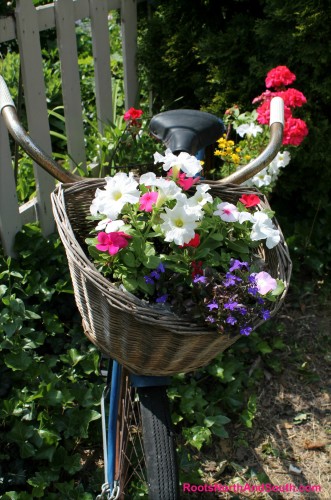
pixel 206 55
pixel 219 55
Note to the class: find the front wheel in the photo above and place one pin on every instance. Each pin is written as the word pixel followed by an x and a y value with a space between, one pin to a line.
pixel 146 452
pixel 159 446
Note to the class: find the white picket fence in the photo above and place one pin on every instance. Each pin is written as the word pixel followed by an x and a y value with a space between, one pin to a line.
pixel 25 26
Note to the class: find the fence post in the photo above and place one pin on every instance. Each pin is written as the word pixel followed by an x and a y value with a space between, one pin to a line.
pixel 35 103
pixel 10 221
pixel 129 41
pixel 72 101
pixel 101 56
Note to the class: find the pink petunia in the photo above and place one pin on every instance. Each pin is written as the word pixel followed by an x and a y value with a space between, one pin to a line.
pixel 187 182
pixel 279 76
pixel 147 201
pixel 264 282
pixel 112 242
pixel 227 212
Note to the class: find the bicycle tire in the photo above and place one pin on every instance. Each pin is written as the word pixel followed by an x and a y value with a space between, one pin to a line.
pixel 146 453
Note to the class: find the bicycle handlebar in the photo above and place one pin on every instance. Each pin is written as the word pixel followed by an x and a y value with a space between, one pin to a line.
pixel 13 124
pixel 8 111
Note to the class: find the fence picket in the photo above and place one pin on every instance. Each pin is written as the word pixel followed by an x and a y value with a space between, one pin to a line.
pixel 35 103
pixel 129 37
pixel 26 24
pixel 72 101
pixel 101 55
pixel 10 221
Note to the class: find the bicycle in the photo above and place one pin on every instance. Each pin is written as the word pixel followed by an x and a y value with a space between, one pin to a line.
pixel 138 403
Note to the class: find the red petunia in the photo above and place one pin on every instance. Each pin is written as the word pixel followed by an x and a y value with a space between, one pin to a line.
pixel 250 200
pixel 194 242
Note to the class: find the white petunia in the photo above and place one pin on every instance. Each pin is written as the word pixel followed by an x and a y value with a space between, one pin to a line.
pixel 201 197
pixel 283 158
pixel 109 226
pixel 262 178
pixel 245 216
pixel 248 129
pixel 119 190
pixel 148 179
pixel 178 224
pixel 264 229
pixel 227 212
pixel 185 162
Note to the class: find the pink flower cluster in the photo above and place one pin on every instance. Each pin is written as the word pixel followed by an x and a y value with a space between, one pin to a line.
pixel 112 242
pixel 279 78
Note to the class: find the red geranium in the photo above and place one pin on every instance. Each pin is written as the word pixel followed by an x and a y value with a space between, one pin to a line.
pixel 279 76
pixel 132 114
pixel 295 131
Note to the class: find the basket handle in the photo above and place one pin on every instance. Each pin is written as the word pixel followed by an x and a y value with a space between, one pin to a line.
pixel 19 134
pixel 268 154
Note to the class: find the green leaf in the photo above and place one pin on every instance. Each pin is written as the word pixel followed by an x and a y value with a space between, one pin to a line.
pixel 197 436
pixel 3 290
pixel 18 361
pixel 79 420
pixel 264 347
pixel 238 246
pixel 151 262
pixel 32 315
pixel 129 259
pixel 130 284
pixel 146 287
pixel 279 289
pixel 217 419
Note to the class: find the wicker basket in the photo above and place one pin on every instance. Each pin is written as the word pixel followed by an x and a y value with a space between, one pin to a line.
pixel 145 339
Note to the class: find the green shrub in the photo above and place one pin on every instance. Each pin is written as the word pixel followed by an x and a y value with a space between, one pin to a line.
pixel 220 55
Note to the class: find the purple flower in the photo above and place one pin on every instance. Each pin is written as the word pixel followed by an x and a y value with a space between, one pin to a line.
pixel 155 275
pixel 242 311
pixel 200 279
pixel 265 313
pixel 231 320
pixel 160 268
pixel 237 264
pixel 212 305
pixel 210 319
pixel 162 299
pixel 251 279
pixel 231 279
pixel 149 280
pixel 246 330
pixel 231 305
pixel 252 290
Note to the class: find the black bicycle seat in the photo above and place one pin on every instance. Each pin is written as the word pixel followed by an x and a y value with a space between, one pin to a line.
pixel 186 129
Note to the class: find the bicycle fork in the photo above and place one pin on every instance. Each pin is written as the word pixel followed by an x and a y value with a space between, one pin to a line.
pixel 111 489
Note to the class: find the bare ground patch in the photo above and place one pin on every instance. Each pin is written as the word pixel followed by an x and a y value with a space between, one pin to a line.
pixel 289 443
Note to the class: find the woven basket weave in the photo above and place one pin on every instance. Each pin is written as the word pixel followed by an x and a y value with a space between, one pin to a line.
pixel 146 339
